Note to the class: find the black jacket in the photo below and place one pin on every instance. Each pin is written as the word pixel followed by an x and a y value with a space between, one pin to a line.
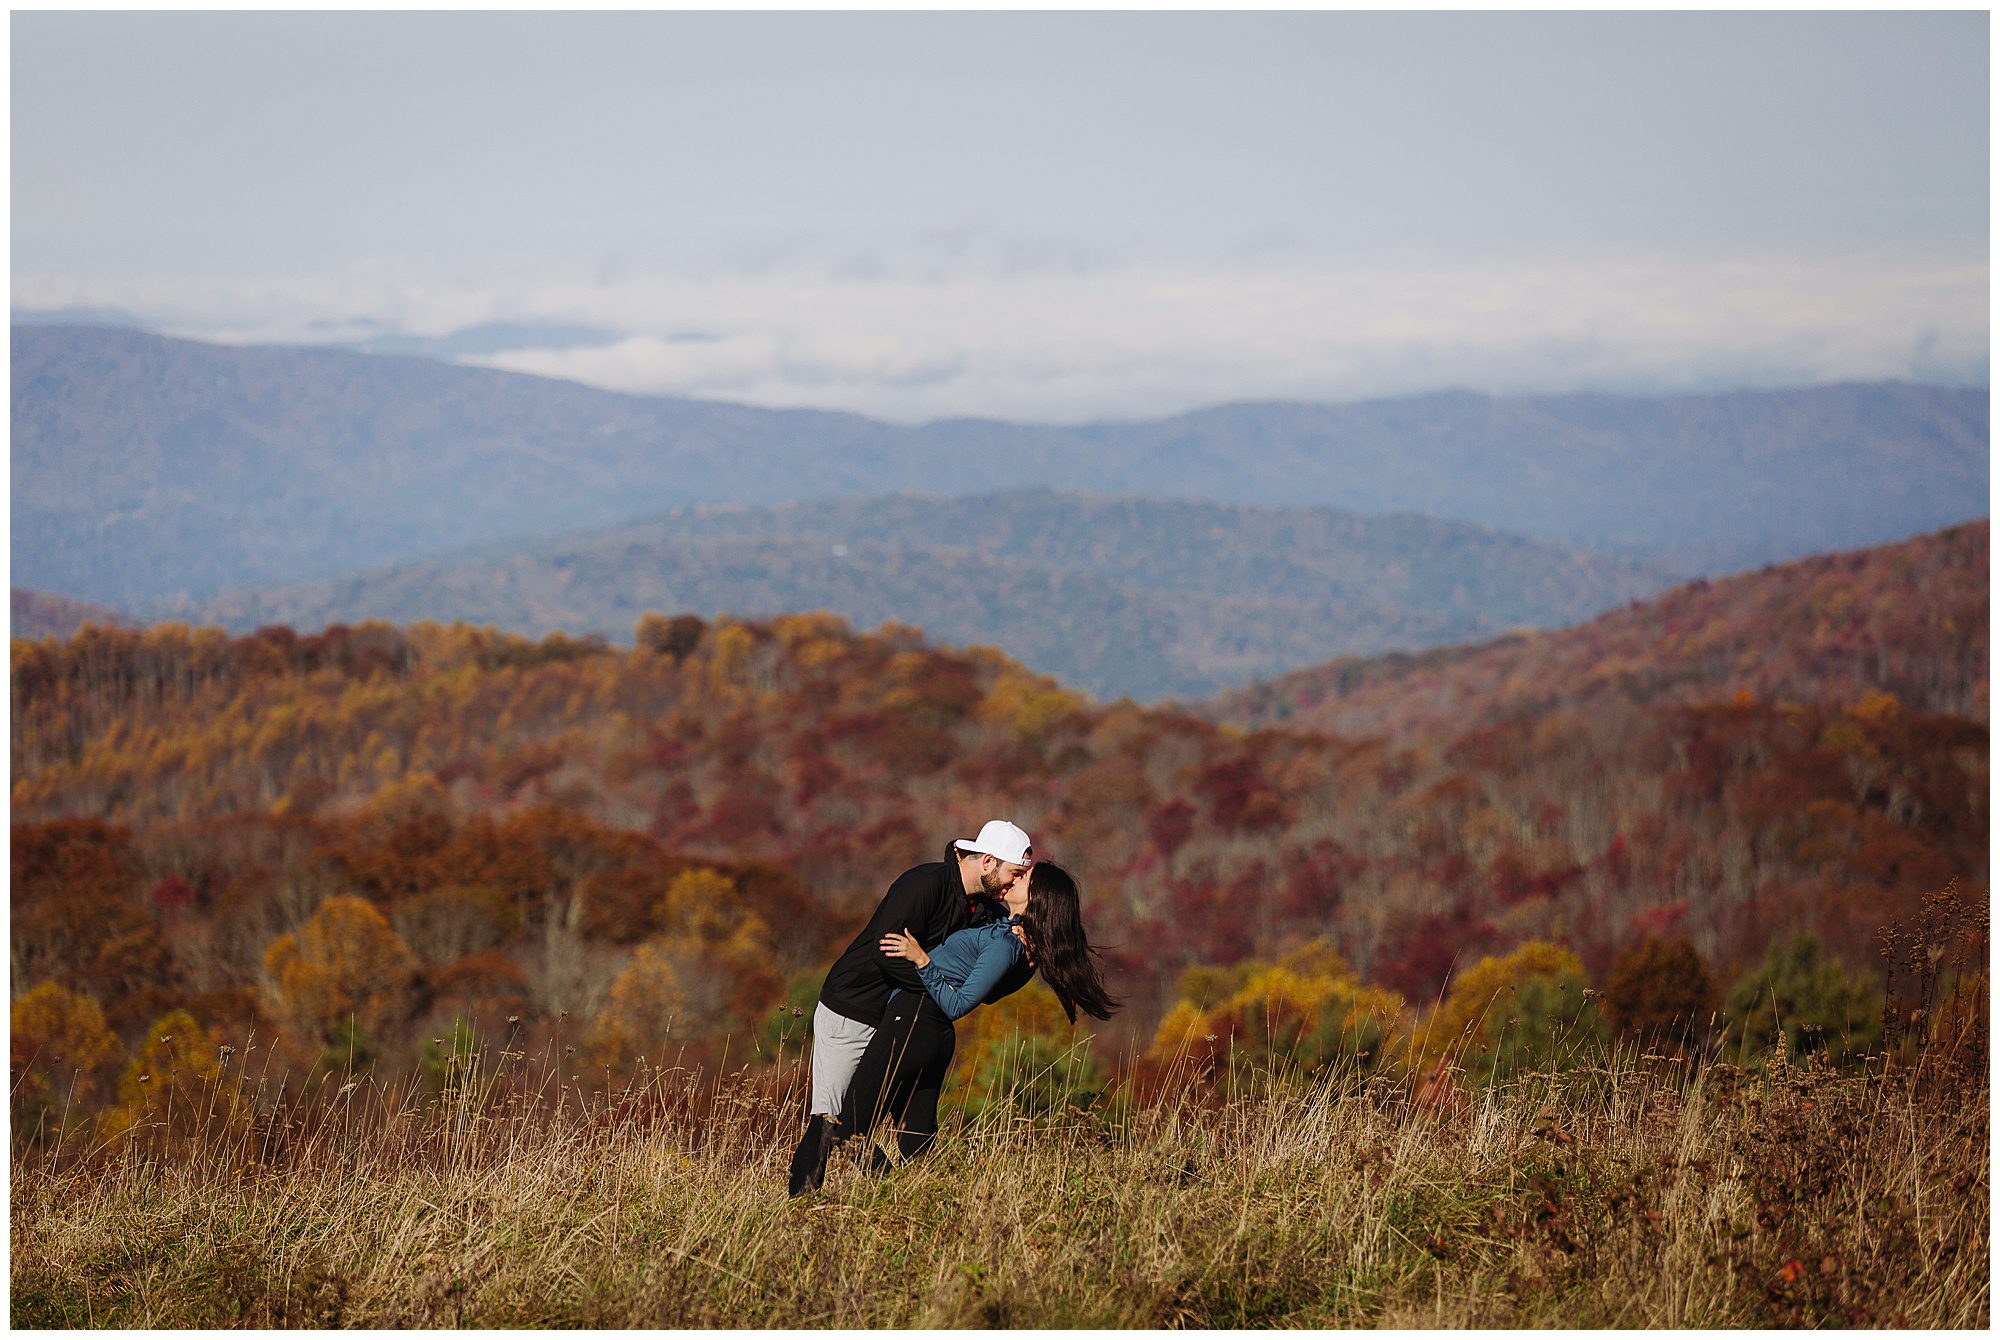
pixel 930 902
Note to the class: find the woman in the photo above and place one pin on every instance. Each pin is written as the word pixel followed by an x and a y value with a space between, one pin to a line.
pixel 902 1072
pixel 1044 925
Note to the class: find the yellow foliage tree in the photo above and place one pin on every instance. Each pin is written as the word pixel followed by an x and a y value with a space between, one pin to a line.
pixel 345 964
pixel 1876 705
pixel 1304 1011
pixel 1505 1014
pixel 1027 704
pixel 1476 992
pixel 796 630
pixel 173 1090
pixel 698 905
pixel 1316 959
pixel 709 970
pixel 1184 1025
pixel 59 1044
pixel 1280 1008
pixel 1373 1022
pixel 821 651
pixel 729 662
pixel 418 794
pixel 1031 1012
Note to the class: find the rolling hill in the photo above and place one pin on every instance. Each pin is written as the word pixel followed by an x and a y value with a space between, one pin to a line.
pixel 1909 619
pixel 1146 598
pixel 147 468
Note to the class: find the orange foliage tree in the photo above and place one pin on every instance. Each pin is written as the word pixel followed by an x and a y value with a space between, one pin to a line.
pixel 1660 991
pixel 345 965
pixel 645 1014
pixel 710 969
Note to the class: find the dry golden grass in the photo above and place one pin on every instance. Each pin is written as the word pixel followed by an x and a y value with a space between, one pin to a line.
pixel 1634 1193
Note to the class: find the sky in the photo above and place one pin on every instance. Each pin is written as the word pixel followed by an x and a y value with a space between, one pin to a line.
pixel 1030 216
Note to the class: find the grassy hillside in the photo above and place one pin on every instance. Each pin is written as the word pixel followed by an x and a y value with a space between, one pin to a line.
pixel 1136 597
pixel 1637 1196
pixel 1907 619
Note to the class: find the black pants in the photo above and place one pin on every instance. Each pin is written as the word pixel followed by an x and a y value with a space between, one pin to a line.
pixel 901 1074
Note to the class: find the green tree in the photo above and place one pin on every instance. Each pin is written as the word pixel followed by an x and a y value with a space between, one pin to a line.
pixel 1023 1053
pixel 450 1065
pixel 1805 996
pixel 788 1025
pixel 1531 1009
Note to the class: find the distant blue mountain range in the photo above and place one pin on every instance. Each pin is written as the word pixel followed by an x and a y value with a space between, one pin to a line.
pixel 148 468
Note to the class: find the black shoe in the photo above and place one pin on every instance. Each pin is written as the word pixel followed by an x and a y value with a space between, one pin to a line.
pixel 809 1159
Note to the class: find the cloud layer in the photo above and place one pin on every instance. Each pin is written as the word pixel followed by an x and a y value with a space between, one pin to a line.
pixel 1039 330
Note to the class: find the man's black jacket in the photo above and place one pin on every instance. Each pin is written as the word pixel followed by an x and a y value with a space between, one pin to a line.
pixel 930 902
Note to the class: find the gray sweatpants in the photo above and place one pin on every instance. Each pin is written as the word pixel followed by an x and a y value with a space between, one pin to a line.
pixel 838 1042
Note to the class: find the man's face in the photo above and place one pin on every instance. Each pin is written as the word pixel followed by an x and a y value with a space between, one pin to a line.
pixel 997 876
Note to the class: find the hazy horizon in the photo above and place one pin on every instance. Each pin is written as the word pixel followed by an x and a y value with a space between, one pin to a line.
pixel 1721 387
pixel 1032 217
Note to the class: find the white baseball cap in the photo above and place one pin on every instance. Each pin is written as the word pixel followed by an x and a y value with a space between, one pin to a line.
pixel 1000 839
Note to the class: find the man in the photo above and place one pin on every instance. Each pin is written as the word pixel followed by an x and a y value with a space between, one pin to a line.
pixel 930 901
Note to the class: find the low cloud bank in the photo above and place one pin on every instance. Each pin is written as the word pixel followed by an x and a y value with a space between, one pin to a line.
pixel 1098 338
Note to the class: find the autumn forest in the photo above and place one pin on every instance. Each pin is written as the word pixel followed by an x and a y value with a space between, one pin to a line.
pixel 364 846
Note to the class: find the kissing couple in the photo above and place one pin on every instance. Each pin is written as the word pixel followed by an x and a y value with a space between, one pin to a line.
pixel 948 936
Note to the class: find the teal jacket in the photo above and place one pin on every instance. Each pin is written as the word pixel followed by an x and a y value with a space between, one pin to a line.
pixel 973 966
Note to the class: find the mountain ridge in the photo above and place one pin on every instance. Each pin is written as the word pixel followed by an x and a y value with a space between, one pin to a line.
pixel 1911 619
pixel 1119 596
pixel 40 614
pixel 147 468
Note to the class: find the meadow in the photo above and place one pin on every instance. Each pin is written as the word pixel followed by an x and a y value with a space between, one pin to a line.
pixel 1628 1189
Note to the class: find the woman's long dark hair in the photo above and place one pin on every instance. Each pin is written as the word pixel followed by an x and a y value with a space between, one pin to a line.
pixel 1054 926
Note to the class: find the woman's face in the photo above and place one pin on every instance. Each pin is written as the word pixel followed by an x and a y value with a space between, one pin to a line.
pixel 1016 896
